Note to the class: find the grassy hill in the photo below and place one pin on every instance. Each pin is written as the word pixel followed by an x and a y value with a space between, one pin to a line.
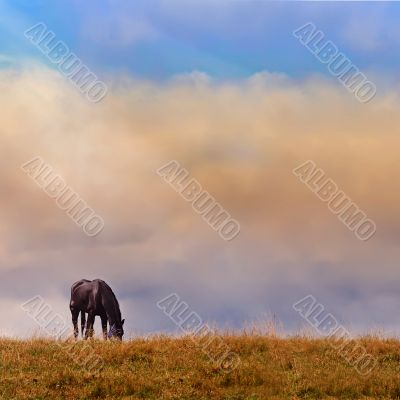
pixel 177 368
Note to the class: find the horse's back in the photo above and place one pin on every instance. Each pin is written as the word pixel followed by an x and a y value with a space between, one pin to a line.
pixel 89 295
pixel 77 284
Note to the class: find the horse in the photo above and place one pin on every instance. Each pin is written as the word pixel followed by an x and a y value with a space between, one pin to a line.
pixel 95 298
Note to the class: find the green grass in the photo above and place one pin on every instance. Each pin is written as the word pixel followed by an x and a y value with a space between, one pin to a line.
pixel 174 368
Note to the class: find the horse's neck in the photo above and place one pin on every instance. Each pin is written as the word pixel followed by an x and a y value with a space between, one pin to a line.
pixel 112 311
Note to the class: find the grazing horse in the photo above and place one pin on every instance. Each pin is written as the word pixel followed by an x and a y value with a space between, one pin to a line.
pixel 95 298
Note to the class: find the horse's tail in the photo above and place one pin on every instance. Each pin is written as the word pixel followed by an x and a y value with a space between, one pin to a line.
pixel 83 321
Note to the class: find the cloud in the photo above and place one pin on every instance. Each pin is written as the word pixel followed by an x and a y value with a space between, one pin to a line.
pixel 240 140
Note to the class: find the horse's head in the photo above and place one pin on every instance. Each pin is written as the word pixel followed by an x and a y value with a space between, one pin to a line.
pixel 116 331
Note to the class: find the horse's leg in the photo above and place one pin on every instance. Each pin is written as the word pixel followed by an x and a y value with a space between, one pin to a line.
pixel 75 314
pixel 83 321
pixel 89 325
pixel 104 325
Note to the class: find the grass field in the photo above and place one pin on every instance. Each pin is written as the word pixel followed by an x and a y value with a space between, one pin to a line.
pixel 175 368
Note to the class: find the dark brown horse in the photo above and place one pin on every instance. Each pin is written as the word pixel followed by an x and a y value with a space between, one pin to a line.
pixel 95 298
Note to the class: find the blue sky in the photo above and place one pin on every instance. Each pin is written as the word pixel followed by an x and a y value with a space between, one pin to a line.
pixel 227 39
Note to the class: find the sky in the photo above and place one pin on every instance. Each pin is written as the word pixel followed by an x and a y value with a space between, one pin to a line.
pixel 227 90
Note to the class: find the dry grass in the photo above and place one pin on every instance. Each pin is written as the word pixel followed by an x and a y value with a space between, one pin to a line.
pixel 174 368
